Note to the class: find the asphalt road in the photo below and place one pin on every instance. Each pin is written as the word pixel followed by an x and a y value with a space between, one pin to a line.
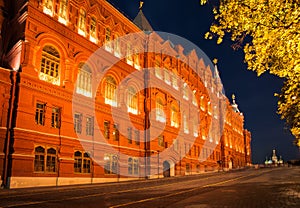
pixel 259 188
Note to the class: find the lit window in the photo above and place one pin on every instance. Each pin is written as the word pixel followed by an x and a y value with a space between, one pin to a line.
pixel 55 117
pixel 161 141
pixel 185 124
pixel 93 30
pixel 108 39
pixel 174 117
pixel 116 133
pixel 62 16
pixel 202 103
pixel 185 91
pixel 174 81
pixel 90 126
pixel 195 128
pixel 82 22
pixel 137 60
pixel 117 49
pixel 84 80
pixel 133 166
pixel 110 164
pixel 158 70
pixel 110 91
pixel 132 101
pixel 40 113
pixel 48 7
pixel 129 58
pixel 160 115
pixel 45 161
pixel 194 98
pixel 167 77
pixel 82 162
pixel 78 122
pixel 50 65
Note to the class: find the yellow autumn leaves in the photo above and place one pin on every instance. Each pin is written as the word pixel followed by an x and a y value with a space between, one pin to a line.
pixel 272 31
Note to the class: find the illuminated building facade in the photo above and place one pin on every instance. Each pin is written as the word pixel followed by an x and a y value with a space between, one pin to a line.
pixel 45 142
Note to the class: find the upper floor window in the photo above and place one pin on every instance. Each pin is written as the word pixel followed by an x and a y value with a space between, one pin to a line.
pixel 167 77
pixel 84 80
pixel 117 49
pixel 89 126
pixel 110 91
pixel 129 58
pixel 161 141
pixel 93 30
pixel 185 91
pixel 174 81
pixel 108 39
pixel 174 117
pixel 82 22
pixel 106 129
pixel 40 113
pixel 185 124
pixel 116 133
pixel 137 60
pixel 48 7
pixel 78 122
pixel 160 115
pixel 194 98
pixel 132 101
pixel 137 137
pixel 62 15
pixel 55 117
pixel 195 127
pixel 50 65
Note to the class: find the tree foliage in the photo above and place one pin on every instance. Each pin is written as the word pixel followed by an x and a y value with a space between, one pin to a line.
pixel 274 44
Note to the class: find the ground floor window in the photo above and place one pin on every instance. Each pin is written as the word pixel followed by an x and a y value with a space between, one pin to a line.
pixel 133 166
pixel 110 164
pixel 45 159
pixel 82 162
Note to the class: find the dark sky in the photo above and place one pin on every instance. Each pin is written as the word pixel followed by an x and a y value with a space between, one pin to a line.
pixel 254 95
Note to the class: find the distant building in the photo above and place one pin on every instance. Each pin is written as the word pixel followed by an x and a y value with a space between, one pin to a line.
pixel 43 142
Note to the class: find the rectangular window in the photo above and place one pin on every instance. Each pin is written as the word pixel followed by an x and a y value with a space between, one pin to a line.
pixel 116 132
pixel 93 29
pixel 129 135
pixel 161 141
pixel 110 164
pixel 137 137
pixel 62 17
pixel 106 129
pixel 90 126
pixel 40 113
pixel 55 117
pixel 78 122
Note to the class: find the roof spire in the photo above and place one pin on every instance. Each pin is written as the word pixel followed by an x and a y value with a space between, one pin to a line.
pixel 141 5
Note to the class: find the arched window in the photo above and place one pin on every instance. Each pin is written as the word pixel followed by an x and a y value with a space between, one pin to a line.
pixel 51 160
pixel 77 162
pixel 62 15
pixel 50 65
pixel 39 159
pixel 132 101
pixel 45 161
pixel 82 22
pixel 84 80
pixel 48 7
pixel 110 91
pixel 160 115
pixel 111 163
pixel 174 117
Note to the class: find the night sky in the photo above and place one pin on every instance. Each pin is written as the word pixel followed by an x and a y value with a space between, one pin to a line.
pixel 254 95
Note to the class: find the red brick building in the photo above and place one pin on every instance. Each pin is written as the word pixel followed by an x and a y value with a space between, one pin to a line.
pixel 67 118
